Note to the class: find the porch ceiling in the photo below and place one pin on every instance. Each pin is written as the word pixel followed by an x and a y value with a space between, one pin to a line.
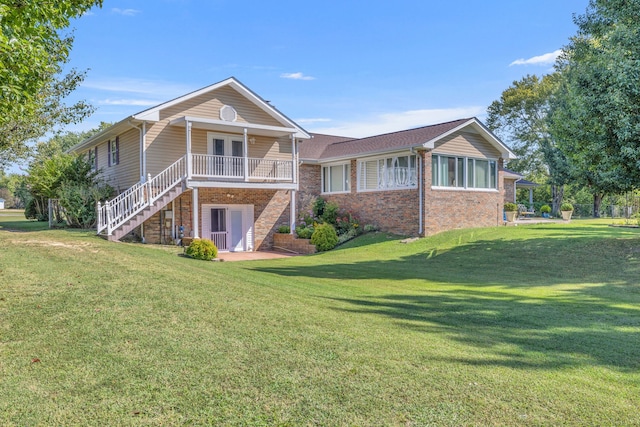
pixel 234 127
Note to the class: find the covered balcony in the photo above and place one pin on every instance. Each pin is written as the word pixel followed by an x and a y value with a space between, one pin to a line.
pixel 233 151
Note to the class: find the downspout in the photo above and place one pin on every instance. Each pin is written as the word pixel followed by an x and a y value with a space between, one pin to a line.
pixel 142 141
pixel 420 189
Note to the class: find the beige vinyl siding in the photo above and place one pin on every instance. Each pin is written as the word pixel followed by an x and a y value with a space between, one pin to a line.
pixel 466 144
pixel 127 171
pixel 208 106
pixel 165 145
pixel 271 148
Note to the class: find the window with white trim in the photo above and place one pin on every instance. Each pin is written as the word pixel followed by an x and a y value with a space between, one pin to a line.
pixel 388 173
pixel 92 158
pixel 464 172
pixel 336 178
pixel 113 147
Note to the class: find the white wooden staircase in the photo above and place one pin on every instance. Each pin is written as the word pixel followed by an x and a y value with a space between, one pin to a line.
pixel 120 215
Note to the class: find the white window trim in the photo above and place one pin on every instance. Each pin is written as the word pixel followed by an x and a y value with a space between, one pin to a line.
pixel 466 171
pixel 381 157
pixel 328 165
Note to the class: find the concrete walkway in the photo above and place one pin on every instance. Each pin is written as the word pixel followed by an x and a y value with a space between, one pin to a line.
pixel 250 256
pixel 535 221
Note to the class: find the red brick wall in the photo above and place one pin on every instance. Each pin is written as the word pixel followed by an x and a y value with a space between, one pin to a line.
pixel 451 209
pixel 509 190
pixel 270 209
pixel 397 211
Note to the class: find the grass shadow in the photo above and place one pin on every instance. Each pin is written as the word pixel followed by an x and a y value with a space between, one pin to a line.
pixel 517 332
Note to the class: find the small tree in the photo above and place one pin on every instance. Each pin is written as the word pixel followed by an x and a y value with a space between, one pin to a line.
pixel 71 179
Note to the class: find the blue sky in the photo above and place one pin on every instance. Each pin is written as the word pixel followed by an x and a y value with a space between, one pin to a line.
pixel 340 67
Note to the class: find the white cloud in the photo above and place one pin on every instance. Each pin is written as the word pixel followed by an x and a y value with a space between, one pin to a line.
pixel 392 122
pixel 296 76
pixel 546 59
pixel 313 120
pixel 125 12
pixel 133 102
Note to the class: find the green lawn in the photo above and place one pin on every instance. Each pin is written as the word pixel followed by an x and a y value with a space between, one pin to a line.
pixel 536 325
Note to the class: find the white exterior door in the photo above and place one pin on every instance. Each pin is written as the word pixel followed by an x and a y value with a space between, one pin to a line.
pixel 230 227
pixel 236 230
pixel 230 150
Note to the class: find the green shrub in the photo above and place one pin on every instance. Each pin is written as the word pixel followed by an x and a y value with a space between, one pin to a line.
pixel 203 249
pixel 284 229
pixel 304 232
pixel 545 209
pixel 510 207
pixel 324 237
pixel 330 213
pixel 370 228
pixel 318 207
pixel 566 207
pixel 348 236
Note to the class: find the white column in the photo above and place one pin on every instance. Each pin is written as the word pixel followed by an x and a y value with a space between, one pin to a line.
pixel 245 151
pixel 292 212
pixel 189 159
pixel 294 162
pixel 144 149
pixel 194 210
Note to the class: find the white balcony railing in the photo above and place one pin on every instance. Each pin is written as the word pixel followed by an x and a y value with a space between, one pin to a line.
pixel 231 167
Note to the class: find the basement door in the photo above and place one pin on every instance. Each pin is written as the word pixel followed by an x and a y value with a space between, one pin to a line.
pixel 230 227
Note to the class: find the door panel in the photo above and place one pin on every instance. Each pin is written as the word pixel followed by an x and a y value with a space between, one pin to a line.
pixel 237 230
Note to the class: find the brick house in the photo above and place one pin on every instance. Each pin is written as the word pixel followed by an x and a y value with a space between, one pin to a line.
pixel 224 164
pixel 415 182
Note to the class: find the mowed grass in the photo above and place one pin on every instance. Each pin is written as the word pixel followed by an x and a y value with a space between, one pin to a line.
pixel 536 325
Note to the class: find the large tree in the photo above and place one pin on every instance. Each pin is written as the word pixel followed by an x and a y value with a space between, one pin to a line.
pixel 33 51
pixel 596 114
pixel 519 117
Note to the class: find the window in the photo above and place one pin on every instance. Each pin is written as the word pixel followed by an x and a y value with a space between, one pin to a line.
pixel 391 173
pixel 113 146
pixel 336 178
pixel 92 157
pixel 464 172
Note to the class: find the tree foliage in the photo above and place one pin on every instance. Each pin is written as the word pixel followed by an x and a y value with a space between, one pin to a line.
pixel 71 179
pixel 520 118
pixel 33 87
pixel 596 111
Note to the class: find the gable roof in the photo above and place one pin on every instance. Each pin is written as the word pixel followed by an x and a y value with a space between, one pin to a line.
pixel 153 114
pixel 422 137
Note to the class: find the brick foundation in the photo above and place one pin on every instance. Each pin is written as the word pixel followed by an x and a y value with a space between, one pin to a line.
pixel 270 209
pixel 290 243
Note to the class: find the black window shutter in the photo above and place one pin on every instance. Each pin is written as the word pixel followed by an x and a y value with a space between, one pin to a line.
pixel 117 150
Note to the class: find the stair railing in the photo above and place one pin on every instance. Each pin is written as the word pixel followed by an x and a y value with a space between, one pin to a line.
pixel 115 212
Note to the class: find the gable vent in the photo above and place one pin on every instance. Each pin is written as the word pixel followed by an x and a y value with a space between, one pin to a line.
pixel 228 113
